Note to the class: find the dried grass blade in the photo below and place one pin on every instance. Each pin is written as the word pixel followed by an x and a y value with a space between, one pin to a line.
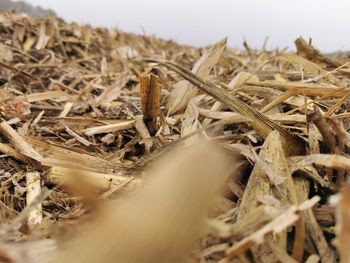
pixel 122 125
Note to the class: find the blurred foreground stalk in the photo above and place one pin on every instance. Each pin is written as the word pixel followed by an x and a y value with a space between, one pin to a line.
pixel 161 220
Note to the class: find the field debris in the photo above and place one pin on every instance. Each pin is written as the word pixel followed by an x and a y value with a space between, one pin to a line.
pixel 124 148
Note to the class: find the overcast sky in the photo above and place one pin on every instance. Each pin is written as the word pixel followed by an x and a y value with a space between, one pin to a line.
pixel 201 22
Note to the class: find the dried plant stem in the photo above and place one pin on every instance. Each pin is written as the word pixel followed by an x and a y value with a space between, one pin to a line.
pixel 150 100
pixel 18 142
pixel 144 133
pixel 312 227
pixel 317 118
pixel 33 185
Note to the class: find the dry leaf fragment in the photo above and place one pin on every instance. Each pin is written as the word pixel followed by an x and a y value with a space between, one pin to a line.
pixel 309 52
pixel 269 177
pixel 280 223
pixel 183 91
pixel 263 178
pixel 299 61
pixel 240 79
pixel 190 123
pixel 327 160
pixel 43 38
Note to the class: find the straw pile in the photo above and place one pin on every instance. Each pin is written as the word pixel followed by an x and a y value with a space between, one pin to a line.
pixel 156 128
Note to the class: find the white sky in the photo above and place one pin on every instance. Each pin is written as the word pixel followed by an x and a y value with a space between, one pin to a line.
pixel 201 22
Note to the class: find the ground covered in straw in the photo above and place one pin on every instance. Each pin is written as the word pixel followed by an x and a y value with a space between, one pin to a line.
pixel 85 111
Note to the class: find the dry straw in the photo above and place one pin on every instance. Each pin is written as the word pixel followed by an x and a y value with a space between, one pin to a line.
pixel 95 136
